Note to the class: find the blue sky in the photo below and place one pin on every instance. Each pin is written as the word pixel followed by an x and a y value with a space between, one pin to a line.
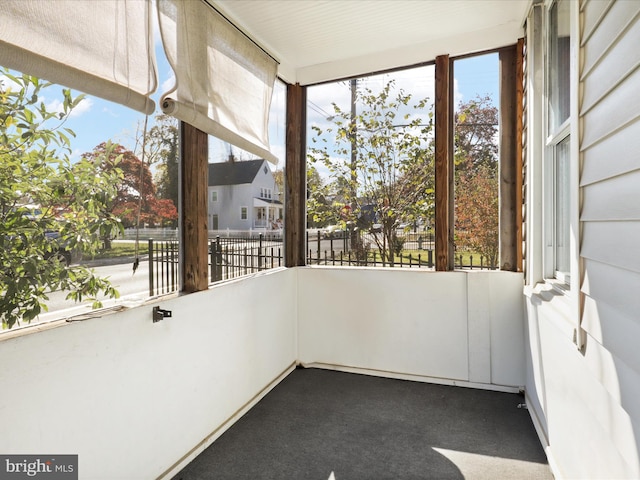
pixel 96 120
pixel 473 76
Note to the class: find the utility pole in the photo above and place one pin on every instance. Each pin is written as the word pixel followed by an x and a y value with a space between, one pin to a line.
pixel 354 234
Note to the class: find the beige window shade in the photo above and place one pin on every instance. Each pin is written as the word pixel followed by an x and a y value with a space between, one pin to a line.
pixel 224 82
pixel 100 47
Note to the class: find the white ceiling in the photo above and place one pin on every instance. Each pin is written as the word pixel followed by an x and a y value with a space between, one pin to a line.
pixel 322 40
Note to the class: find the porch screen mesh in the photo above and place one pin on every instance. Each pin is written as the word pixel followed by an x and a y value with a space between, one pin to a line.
pixel 103 48
pixel 223 83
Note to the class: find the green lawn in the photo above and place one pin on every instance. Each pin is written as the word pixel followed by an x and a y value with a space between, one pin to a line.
pixel 122 249
pixel 424 256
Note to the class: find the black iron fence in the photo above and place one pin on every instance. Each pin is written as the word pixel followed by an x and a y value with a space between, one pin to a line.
pixel 232 257
pixel 229 257
pixel 163 266
pixel 355 260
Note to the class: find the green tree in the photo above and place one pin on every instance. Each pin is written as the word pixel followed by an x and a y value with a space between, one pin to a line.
pixel 162 150
pixel 278 177
pixel 380 163
pixel 476 210
pixel 476 178
pixel 476 130
pixel 321 210
pixel 47 202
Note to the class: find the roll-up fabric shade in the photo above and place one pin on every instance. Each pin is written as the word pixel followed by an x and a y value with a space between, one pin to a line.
pixel 224 82
pixel 100 47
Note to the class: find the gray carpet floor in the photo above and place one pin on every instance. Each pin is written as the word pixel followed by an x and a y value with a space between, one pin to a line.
pixel 321 424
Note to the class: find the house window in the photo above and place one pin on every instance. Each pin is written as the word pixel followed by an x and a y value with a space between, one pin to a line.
pixel 558 143
pixel 243 213
pixel 559 51
pixel 214 196
pixel 561 209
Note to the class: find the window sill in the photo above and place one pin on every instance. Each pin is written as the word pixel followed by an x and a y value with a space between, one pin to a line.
pixel 63 318
pixel 554 303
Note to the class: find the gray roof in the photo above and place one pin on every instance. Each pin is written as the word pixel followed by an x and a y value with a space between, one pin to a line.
pixel 233 173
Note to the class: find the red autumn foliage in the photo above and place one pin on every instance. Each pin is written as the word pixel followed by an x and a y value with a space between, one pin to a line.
pixel 136 201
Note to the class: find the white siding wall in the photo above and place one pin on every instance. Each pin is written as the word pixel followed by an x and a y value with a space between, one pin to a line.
pixel 610 216
pixel 587 402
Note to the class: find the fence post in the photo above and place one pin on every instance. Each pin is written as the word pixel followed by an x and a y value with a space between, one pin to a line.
pixel 260 259
pixel 164 249
pixel 151 267
pixel 174 273
pixel 216 260
pixel 212 261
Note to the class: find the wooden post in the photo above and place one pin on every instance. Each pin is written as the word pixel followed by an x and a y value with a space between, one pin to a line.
pixel 296 177
pixel 195 154
pixel 508 156
pixel 444 163
pixel 519 154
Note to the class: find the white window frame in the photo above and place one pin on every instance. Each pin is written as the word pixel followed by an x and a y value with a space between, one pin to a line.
pixel 551 163
pixel 244 213
pixel 562 280
pixel 214 195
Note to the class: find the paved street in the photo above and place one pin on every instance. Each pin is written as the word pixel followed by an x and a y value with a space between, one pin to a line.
pixel 133 288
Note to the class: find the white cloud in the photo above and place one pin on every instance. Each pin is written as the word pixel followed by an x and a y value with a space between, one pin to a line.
pixel 168 84
pixel 83 107
pixel 6 83
pixel 419 82
pixel 280 152
pixel 110 112
pixel 458 97
pixel 76 154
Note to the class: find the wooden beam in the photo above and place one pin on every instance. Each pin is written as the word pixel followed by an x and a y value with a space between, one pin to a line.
pixel 444 163
pixel 519 154
pixel 194 165
pixel 508 158
pixel 296 177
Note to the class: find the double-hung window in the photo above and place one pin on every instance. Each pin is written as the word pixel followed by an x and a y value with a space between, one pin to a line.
pixel 558 154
